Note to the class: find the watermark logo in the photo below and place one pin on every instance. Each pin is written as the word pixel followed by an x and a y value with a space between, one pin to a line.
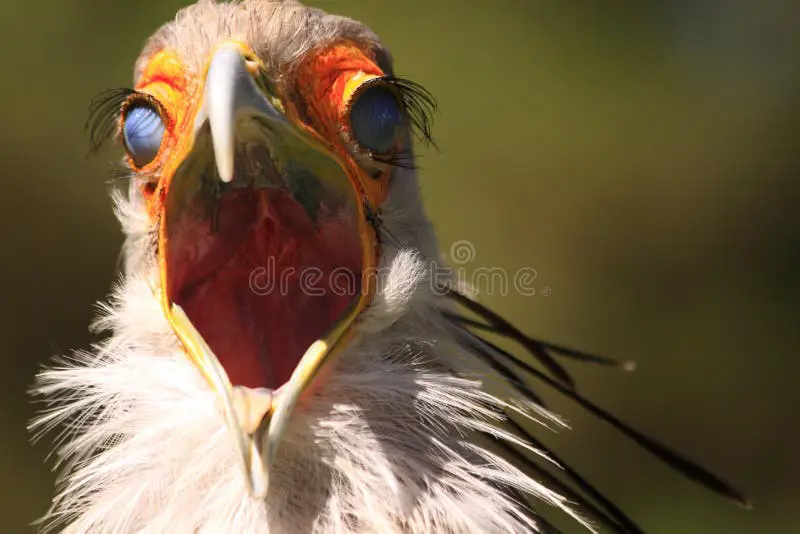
pixel 462 252
pixel 482 280
pixel 494 280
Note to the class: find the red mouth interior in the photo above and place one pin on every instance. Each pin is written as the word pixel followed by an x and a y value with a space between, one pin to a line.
pixel 263 278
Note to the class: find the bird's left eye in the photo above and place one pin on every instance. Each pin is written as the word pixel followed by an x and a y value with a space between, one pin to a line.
pixel 376 118
pixel 142 131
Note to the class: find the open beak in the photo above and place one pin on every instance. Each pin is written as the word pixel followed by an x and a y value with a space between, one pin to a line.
pixel 253 184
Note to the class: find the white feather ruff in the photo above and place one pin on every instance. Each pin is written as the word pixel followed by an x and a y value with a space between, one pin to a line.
pixel 378 449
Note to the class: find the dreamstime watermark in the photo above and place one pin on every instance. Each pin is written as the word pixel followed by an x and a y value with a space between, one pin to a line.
pixel 491 280
pixel 270 279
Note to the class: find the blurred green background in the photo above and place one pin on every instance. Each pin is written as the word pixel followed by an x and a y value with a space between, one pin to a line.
pixel 641 156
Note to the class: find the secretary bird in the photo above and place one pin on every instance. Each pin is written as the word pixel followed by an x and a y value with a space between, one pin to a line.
pixel 284 355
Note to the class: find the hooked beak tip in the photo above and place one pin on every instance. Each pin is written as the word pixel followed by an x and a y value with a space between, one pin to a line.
pixel 230 92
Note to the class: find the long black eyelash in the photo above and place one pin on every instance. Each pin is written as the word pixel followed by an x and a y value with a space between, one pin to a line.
pixel 405 159
pixel 104 113
pixel 419 104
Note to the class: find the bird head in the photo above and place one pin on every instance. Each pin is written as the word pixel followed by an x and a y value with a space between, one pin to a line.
pixel 265 154
pixel 285 353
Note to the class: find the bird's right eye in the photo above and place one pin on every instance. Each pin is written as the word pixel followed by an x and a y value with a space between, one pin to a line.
pixel 142 131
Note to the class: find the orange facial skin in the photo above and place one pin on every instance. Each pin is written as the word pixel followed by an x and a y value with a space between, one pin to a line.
pixel 165 79
pixel 326 82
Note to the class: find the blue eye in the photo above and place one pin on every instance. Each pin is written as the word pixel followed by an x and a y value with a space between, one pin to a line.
pixel 376 119
pixel 143 131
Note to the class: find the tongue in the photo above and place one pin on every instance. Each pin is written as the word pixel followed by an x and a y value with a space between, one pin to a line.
pixel 262 280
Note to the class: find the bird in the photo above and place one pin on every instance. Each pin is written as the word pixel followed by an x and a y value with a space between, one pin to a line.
pixel 286 350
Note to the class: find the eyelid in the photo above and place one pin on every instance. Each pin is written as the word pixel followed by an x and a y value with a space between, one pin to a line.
pixel 135 101
pixel 138 98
